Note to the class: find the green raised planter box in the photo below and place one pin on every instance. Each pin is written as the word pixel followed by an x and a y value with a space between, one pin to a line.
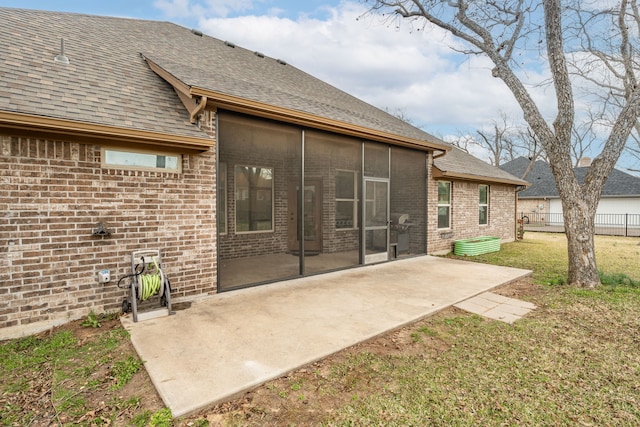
pixel 476 246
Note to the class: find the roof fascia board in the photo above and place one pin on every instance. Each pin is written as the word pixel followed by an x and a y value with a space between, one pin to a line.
pixel 63 128
pixel 439 174
pixel 178 84
pixel 241 105
pixel 195 108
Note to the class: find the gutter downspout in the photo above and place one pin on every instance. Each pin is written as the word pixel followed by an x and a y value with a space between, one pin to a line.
pixel 442 153
pixel 200 106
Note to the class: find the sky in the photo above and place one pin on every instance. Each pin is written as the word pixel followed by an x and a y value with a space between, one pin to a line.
pixel 407 72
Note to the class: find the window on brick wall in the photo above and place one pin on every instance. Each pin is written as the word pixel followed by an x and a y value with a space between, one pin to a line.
pixel 483 191
pixel 143 160
pixel 444 204
pixel 222 198
pixel 254 199
pixel 346 199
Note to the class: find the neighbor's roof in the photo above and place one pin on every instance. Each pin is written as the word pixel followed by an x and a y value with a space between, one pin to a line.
pixel 110 83
pixel 458 164
pixel 543 184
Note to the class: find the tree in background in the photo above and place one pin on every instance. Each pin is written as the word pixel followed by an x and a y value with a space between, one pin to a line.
pixel 581 44
pixel 504 141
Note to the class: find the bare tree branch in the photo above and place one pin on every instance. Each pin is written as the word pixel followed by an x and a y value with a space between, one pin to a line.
pixel 577 39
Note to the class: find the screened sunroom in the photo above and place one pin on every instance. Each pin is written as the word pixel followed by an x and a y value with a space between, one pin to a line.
pixel 295 201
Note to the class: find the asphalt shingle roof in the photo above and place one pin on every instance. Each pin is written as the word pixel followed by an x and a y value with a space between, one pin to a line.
pixel 458 161
pixel 543 183
pixel 108 81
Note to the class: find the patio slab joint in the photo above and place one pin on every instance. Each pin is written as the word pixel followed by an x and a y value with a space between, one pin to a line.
pixel 497 307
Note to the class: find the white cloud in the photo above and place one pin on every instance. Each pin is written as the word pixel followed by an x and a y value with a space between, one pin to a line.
pixel 390 68
pixel 174 8
pixel 397 69
pixel 408 69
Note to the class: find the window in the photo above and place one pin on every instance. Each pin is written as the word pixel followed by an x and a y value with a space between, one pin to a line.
pixel 346 199
pixel 484 204
pixel 144 160
pixel 222 198
pixel 254 199
pixel 444 204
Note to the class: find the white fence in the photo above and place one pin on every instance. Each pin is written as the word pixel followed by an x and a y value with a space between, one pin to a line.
pixel 606 224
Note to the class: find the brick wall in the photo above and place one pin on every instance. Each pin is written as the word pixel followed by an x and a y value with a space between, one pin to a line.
pixel 52 194
pixel 464 215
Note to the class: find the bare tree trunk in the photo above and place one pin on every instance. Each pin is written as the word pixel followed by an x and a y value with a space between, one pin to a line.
pixel 498 29
pixel 580 228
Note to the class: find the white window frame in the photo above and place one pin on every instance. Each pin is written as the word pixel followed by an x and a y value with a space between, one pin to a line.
pixel 448 205
pixel 355 199
pixel 104 151
pixel 485 205
pixel 235 199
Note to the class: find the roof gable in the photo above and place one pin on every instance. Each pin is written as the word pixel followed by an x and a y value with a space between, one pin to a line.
pixel 109 83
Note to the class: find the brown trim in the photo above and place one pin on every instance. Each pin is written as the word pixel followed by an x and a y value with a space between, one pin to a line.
pixel 260 109
pixel 170 78
pixel 47 127
pixel 202 104
pixel 193 106
pixel 440 154
pixel 439 174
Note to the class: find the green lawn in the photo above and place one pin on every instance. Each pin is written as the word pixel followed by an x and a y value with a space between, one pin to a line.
pixel 546 255
pixel 574 360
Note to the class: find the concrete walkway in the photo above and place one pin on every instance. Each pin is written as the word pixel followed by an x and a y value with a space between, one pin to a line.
pixel 497 307
pixel 235 341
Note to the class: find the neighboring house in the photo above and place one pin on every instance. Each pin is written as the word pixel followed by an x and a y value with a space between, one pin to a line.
pixel 241 169
pixel 620 195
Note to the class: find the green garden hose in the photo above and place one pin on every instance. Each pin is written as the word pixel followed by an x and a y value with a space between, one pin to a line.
pixel 151 284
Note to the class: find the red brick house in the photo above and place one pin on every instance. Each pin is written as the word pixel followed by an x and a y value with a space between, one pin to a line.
pixel 241 169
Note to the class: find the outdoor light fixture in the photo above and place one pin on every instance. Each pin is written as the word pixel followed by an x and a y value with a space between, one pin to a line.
pixel 101 230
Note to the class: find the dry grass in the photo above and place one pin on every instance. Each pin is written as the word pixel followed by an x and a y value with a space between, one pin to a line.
pixel 546 255
pixel 575 360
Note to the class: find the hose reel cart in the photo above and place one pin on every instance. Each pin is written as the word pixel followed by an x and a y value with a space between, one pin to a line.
pixel 148 281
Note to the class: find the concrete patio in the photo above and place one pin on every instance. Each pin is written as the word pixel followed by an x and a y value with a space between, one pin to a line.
pixel 235 341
